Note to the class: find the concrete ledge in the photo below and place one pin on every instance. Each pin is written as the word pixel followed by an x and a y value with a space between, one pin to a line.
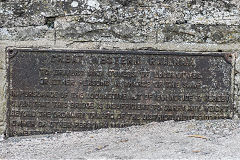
pixel 193 47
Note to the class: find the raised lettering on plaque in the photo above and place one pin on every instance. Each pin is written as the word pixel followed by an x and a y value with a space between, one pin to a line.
pixel 53 91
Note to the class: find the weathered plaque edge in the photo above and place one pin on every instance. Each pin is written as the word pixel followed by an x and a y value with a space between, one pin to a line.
pixel 227 55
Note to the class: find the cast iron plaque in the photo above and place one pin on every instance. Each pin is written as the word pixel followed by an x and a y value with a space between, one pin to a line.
pixel 53 91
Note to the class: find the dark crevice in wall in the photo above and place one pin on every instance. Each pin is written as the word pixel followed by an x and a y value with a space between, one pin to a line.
pixel 49 21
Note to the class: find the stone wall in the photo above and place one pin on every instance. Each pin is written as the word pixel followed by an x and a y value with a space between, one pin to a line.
pixel 174 25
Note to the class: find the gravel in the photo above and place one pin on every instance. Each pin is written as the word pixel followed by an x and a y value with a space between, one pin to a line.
pixel 215 139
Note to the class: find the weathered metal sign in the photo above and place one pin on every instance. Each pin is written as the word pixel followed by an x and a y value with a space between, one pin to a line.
pixel 59 90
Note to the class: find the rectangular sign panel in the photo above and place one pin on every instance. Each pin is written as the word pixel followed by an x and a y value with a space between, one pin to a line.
pixel 53 91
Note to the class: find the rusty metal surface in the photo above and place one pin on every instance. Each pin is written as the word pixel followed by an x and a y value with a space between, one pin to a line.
pixel 59 90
